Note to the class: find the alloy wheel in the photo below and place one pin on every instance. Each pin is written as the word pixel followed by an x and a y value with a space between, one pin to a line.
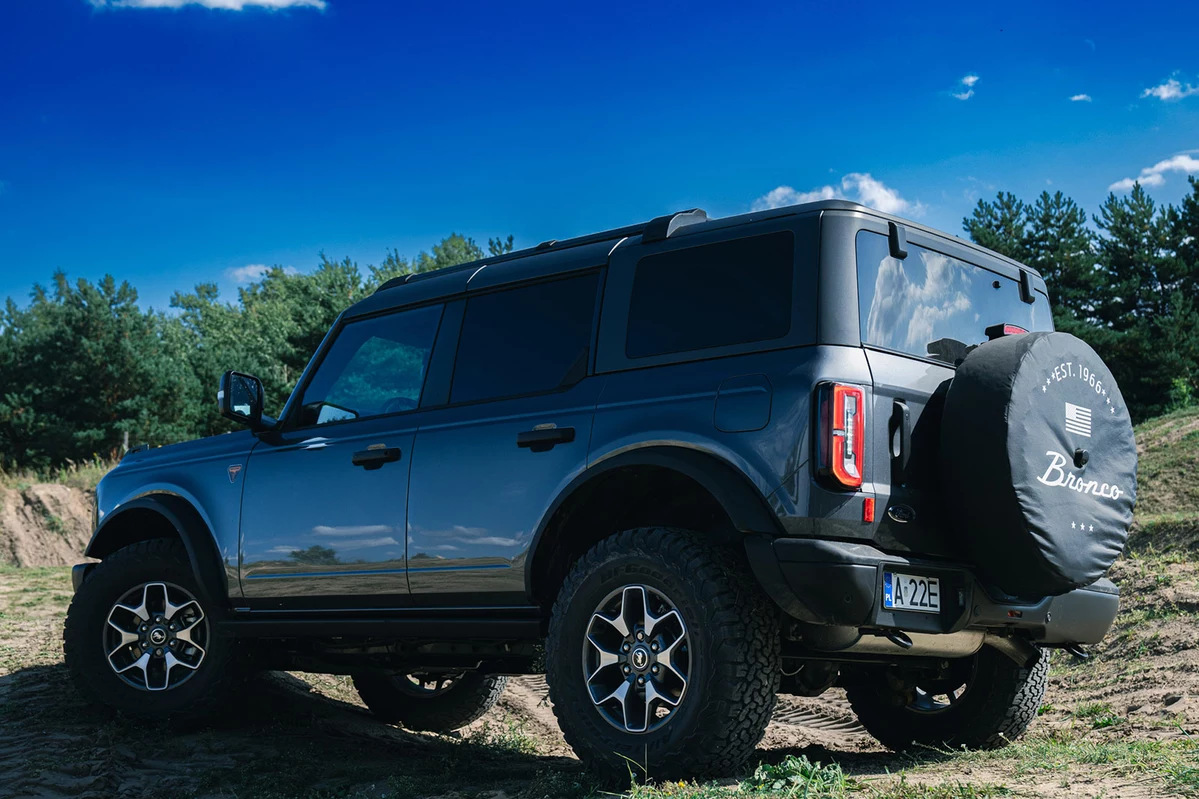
pixel 637 659
pixel 155 636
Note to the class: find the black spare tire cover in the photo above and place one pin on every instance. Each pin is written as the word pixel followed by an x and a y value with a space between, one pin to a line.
pixel 1038 463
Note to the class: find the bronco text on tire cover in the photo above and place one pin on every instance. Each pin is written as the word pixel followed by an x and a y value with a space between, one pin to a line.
pixel 1038 463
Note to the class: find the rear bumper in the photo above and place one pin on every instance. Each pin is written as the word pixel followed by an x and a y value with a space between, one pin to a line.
pixel 840 584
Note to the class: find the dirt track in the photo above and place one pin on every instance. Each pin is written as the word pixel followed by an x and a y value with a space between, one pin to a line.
pixel 311 736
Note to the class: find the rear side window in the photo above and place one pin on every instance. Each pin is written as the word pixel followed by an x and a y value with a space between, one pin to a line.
pixel 932 305
pixel 525 340
pixel 714 295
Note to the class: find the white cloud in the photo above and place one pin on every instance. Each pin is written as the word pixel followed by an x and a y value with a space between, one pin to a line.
pixel 227 5
pixel 1170 90
pixel 251 272
pixel 785 195
pixel 1080 98
pixel 1156 175
pixel 860 187
pixel 968 81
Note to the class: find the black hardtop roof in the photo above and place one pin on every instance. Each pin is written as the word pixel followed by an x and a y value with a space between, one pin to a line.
pixel 593 249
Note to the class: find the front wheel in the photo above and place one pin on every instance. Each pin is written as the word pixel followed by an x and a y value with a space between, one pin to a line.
pixel 662 657
pixel 429 702
pixel 139 638
pixel 982 702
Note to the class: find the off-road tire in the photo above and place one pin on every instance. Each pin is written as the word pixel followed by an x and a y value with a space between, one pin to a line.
pixel 1000 703
pixel 734 655
pixel 156 560
pixel 465 701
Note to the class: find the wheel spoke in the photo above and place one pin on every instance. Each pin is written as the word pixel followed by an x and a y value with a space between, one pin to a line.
pixel 618 694
pixel 171 610
pixel 156 602
pixel 633 606
pixel 606 658
pixel 651 623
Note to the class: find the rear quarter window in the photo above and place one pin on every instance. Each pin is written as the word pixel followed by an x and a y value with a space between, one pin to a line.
pixel 713 295
pixel 933 305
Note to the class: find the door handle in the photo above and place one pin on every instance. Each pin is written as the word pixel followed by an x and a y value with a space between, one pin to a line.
pixel 375 458
pixel 545 439
pixel 901 423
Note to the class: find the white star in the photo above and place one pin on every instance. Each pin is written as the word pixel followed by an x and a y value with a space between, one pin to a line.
pixel 1043 388
pixel 1092 528
pixel 1073 526
pixel 1105 392
pixel 1112 409
pixel 1108 400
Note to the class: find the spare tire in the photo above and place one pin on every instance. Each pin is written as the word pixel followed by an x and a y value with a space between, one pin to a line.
pixel 1038 463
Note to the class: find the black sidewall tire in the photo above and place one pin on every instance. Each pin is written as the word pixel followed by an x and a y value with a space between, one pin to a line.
pixel 159 560
pixel 1002 700
pixel 465 702
pixel 734 675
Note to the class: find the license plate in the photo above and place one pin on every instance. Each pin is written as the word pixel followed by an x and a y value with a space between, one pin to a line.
pixel 910 592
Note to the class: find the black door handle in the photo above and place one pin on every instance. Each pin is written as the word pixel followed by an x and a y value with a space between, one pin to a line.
pixel 544 440
pixel 375 458
pixel 901 424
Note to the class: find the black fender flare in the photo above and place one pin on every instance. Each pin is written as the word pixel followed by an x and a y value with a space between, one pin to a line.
pixel 207 565
pixel 744 504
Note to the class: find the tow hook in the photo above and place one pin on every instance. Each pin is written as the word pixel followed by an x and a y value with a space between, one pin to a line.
pixel 1077 651
pixel 900 639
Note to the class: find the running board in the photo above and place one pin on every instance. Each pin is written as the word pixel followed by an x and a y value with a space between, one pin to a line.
pixel 425 629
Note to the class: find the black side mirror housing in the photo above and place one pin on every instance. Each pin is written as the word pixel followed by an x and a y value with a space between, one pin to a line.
pixel 241 399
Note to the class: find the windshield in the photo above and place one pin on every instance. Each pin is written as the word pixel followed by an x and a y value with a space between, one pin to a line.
pixel 935 306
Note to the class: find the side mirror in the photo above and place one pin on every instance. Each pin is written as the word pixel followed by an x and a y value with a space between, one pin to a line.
pixel 241 398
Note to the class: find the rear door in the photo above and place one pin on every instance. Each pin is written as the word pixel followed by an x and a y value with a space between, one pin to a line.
pixel 488 466
pixel 919 316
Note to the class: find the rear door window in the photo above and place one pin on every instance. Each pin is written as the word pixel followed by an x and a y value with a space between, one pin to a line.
pixel 525 340
pixel 713 295
pixel 932 305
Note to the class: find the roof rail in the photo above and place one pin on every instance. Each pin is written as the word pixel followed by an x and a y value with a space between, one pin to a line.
pixel 655 230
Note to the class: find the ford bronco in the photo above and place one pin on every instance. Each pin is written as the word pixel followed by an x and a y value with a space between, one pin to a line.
pixel 681 466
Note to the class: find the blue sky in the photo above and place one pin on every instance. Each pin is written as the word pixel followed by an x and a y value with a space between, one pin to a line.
pixel 179 144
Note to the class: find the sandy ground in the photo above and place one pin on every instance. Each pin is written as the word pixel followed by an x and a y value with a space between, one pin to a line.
pixel 308 735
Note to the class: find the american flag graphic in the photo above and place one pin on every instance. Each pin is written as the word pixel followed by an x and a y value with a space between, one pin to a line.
pixel 1078 420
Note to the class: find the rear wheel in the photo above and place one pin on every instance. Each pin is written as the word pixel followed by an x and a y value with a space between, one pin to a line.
pixel 139 638
pixel 982 702
pixel 662 657
pixel 430 702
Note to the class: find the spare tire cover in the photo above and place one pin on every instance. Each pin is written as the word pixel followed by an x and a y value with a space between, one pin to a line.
pixel 1038 463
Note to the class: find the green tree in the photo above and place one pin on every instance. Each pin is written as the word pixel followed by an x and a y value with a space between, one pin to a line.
pixel 1000 225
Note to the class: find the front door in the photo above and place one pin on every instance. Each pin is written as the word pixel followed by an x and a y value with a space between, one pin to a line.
pixel 324 503
pixel 516 431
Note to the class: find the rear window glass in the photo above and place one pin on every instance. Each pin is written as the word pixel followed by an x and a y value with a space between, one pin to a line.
pixel 525 340
pixel 714 295
pixel 932 305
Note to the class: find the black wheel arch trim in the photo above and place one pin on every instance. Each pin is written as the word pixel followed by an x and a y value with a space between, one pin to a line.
pixel 206 563
pixel 745 505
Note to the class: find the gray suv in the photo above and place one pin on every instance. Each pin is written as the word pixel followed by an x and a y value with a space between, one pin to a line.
pixel 681 466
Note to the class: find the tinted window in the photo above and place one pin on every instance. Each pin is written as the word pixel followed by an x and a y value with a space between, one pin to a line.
pixel 375 366
pixel 932 305
pixel 733 292
pixel 525 340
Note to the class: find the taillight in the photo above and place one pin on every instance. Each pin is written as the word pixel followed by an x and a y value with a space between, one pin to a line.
pixel 841 439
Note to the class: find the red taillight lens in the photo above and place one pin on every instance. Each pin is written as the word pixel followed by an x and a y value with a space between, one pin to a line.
pixel 841 440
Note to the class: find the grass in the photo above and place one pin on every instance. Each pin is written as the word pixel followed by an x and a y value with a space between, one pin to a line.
pixel 83 476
